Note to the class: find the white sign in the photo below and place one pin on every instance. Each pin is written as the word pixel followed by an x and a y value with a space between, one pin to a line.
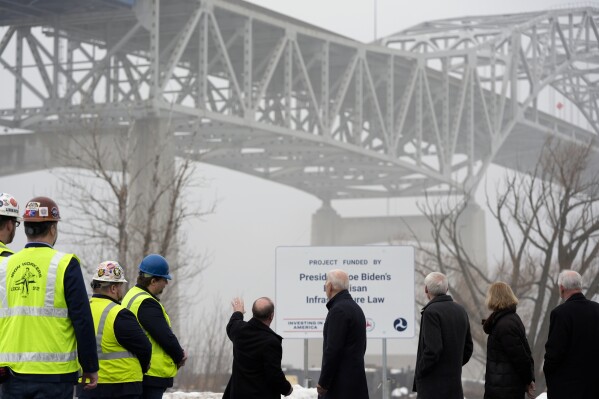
pixel 381 282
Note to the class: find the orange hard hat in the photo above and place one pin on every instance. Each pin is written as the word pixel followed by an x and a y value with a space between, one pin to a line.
pixel 41 209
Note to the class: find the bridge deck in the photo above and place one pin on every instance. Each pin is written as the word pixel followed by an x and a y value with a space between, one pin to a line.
pixel 259 92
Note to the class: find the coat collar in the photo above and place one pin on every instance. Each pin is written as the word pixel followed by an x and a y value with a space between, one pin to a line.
pixel 579 296
pixel 438 298
pixel 340 295
pixel 261 326
pixel 492 320
pixel 102 296
pixel 36 244
pixel 146 290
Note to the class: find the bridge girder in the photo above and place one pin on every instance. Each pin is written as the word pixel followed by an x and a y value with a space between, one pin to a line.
pixel 255 91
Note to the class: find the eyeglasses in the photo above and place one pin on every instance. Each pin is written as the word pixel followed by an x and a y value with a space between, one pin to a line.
pixel 17 223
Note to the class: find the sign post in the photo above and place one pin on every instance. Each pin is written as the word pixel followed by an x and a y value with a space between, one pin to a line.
pixel 384 385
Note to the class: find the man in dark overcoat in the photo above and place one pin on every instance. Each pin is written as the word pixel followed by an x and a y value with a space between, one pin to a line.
pixel 572 348
pixel 257 354
pixel 342 375
pixel 444 343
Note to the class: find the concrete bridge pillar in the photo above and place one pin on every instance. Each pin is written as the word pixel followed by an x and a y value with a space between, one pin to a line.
pixel 329 228
pixel 325 223
pixel 473 229
pixel 152 169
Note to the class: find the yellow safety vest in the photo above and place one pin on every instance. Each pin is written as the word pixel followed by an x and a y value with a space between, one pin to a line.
pixel 4 248
pixel 117 365
pixel 36 334
pixel 162 365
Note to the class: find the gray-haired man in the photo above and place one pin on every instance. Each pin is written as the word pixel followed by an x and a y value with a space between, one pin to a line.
pixel 444 343
pixel 572 347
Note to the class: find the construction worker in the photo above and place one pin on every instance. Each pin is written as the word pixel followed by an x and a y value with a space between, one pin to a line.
pixel 46 325
pixel 143 301
pixel 9 221
pixel 123 348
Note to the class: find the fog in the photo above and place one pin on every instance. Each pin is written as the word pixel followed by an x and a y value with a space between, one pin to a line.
pixel 254 216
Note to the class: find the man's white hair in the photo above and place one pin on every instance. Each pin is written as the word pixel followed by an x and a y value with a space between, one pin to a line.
pixel 338 279
pixel 570 280
pixel 436 283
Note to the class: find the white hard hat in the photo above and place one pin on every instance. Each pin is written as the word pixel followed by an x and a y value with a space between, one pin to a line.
pixel 9 206
pixel 110 271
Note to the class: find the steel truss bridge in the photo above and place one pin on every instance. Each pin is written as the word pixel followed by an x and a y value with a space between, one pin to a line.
pixel 427 109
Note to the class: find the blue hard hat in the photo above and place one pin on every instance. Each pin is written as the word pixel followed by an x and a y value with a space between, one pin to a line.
pixel 155 265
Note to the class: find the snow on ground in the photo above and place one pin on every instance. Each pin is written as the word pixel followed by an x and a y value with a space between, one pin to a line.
pixel 298 393
pixel 192 395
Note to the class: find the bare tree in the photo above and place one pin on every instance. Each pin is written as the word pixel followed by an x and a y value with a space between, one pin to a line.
pixel 548 222
pixel 110 214
pixel 127 198
pixel 211 366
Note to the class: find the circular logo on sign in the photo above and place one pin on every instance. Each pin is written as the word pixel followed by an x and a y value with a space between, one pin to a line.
pixel 369 325
pixel 400 324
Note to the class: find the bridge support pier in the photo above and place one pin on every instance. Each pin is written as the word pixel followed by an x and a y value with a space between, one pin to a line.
pixel 152 169
pixel 329 228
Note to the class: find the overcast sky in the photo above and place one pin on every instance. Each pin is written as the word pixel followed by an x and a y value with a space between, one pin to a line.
pixel 255 216
pixel 355 18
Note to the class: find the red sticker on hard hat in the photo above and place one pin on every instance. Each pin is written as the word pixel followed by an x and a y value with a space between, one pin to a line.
pixel 13 202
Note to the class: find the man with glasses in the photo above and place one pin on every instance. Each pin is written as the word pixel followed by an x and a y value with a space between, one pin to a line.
pixel 9 221
pixel 143 301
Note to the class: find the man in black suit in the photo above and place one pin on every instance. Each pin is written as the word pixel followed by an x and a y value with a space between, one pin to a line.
pixel 572 348
pixel 342 375
pixel 257 354
pixel 444 343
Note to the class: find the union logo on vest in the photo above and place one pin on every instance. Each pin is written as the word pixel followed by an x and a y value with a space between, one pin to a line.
pixel 24 284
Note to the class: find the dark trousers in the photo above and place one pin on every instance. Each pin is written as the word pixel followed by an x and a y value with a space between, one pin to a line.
pixel 152 392
pixel 16 388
